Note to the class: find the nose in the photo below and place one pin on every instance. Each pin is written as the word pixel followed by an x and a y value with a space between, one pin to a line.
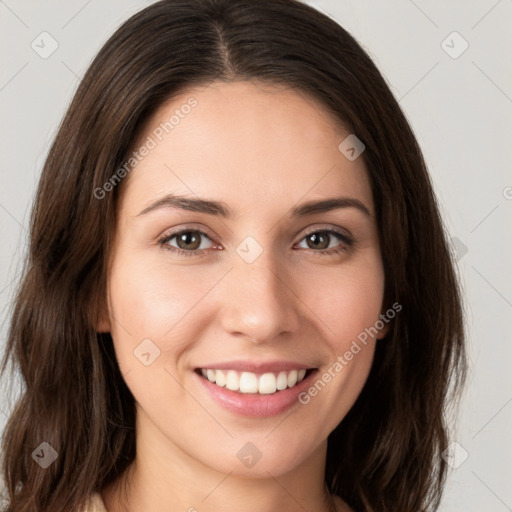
pixel 258 302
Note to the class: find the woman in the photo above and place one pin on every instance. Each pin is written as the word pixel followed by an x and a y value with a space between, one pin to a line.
pixel 239 293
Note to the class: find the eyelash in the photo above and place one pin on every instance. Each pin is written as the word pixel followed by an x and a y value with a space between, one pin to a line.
pixel 344 247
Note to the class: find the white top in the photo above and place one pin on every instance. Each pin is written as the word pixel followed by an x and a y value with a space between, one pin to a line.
pixel 96 504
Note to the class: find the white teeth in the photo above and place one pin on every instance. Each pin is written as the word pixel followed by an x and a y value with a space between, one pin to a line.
pixel 232 380
pixel 267 384
pixel 282 381
pixel 248 382
pixel 220 378
pixel 292 378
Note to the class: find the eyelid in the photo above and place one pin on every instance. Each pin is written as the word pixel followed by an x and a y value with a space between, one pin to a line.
pixel 188 227
pixel 343 232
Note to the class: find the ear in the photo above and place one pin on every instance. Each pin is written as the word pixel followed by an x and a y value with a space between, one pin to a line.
pixel 383 332
pixel 383 324
pixel 100 317
pixel 102 323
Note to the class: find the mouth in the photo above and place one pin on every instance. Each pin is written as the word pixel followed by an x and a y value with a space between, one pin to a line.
pixel 249 383
pixel 256 394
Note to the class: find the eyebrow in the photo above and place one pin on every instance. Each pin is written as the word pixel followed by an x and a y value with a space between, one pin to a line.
pixel 220 209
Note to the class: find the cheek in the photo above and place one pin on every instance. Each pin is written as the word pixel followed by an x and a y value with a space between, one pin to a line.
pixel 347 300
pixel 347 303
pixel 149 300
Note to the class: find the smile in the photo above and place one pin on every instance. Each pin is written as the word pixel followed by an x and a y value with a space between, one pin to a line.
pixel 253 383
pixel 258 389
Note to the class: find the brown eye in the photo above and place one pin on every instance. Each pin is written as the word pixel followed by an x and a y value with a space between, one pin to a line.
pixel 327 242
pixel 318 240
pixel 324 241
pixel 190 241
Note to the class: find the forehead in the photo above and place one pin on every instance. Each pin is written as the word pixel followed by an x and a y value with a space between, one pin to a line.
pixel 248 143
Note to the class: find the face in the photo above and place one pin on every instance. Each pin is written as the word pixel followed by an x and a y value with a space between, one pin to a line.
pixel 238 309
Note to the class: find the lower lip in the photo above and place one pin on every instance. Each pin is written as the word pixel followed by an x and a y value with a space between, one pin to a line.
pixel 256 405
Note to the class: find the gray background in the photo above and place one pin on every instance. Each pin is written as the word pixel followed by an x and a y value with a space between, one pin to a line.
pixel 460 107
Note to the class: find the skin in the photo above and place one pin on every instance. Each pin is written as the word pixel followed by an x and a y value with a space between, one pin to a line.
pixel 262 150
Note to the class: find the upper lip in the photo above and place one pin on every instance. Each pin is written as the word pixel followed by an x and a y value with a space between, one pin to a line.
pixel 257 366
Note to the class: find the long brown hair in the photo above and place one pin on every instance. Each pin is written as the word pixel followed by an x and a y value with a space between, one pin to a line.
pixel 386 453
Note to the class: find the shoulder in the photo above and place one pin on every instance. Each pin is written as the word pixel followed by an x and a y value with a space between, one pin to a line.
pixel 341 506
pixel 95 504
